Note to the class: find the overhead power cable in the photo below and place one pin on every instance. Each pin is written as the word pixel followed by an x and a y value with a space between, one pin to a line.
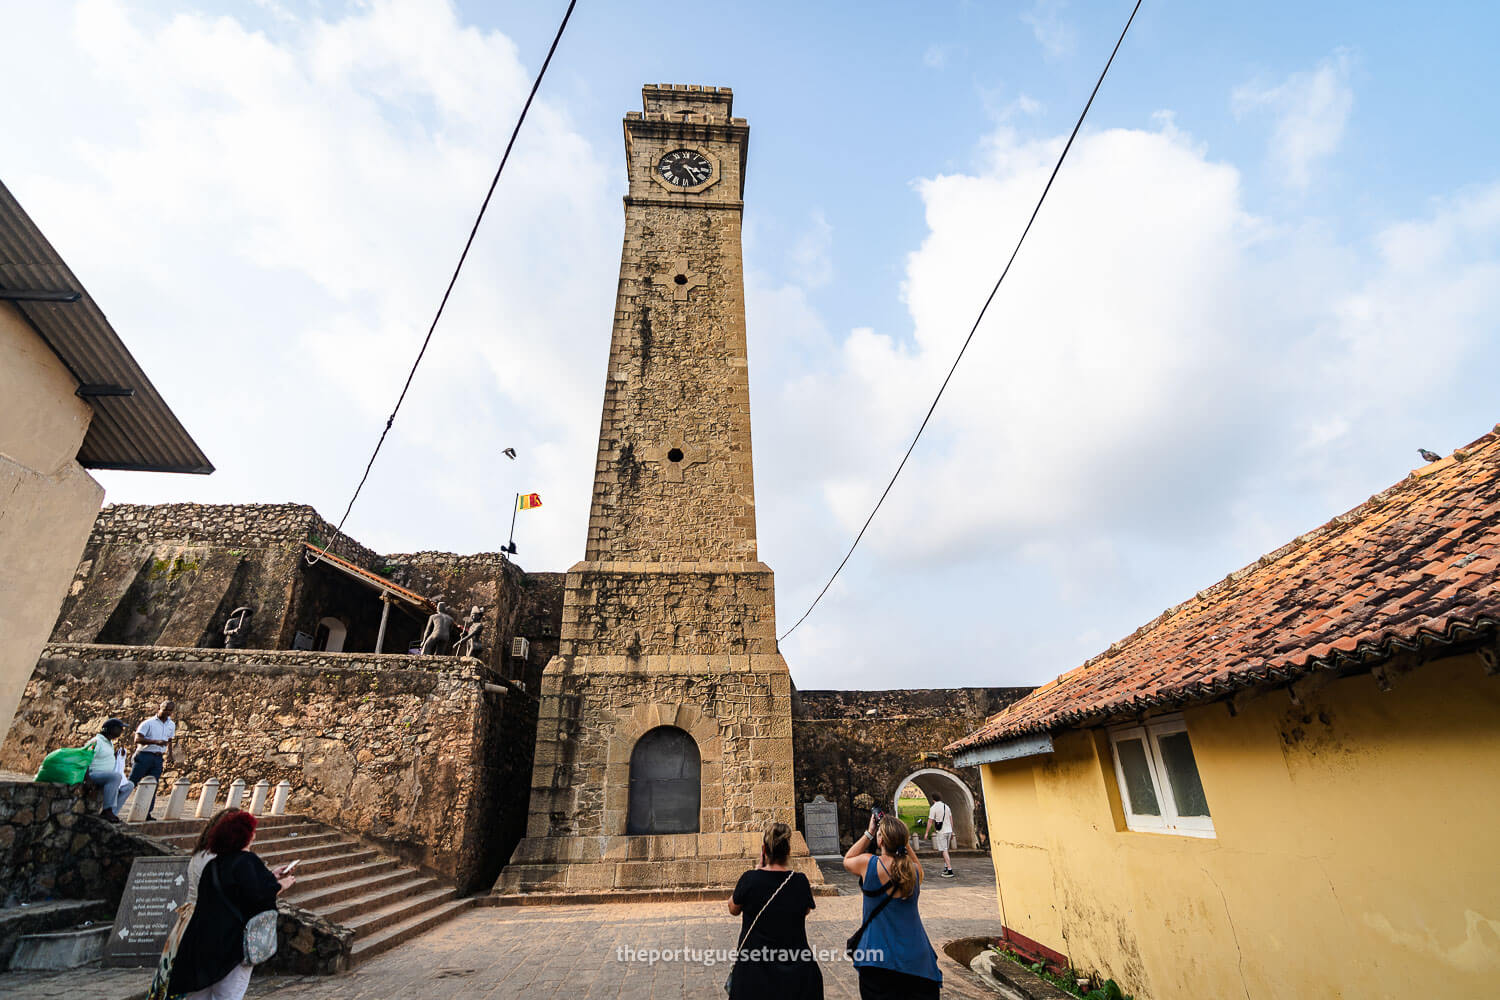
pixel 974 329
pixel 469 243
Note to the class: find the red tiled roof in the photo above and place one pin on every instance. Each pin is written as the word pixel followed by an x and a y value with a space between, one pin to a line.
pixel 1416 565
pixel 373 579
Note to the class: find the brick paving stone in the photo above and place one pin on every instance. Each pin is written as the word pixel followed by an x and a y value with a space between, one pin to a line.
pixel 542 953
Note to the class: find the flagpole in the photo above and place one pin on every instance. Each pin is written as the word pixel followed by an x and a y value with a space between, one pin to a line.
pixel 515 506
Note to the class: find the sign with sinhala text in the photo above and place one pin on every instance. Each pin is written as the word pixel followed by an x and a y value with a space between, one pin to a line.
pixel 157 886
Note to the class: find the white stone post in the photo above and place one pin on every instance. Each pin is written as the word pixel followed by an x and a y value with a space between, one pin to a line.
pixel 178 802
pixel 143 793
pixel 236 793
pixel 258 797
pixel 208 798
pixel 278 801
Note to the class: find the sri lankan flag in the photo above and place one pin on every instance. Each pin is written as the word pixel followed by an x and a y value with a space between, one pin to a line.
pixel 529 500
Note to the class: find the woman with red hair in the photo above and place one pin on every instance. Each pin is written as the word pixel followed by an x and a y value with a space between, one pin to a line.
pixel 235 886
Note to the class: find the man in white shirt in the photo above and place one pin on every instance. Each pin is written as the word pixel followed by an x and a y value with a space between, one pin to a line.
pixel 940 829
pixel 153 748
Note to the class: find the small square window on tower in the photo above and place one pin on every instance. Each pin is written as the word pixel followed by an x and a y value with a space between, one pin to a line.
pixel 1158 779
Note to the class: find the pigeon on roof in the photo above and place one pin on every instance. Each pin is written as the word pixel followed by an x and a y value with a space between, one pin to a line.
pixel 1427 456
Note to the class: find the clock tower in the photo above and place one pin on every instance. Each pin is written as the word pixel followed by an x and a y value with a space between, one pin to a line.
pixel 664 738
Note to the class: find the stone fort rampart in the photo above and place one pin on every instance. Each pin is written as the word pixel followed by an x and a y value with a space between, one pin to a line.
pixel 414 753
pixel 849 743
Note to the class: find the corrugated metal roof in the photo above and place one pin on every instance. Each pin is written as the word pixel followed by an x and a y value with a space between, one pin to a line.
pixel 127 432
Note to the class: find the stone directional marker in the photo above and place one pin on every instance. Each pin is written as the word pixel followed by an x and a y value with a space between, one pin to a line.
pixel 157 886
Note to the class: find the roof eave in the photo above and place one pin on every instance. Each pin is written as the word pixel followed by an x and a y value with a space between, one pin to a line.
pixel 1461 638
pixel 138 432
pixel 195 470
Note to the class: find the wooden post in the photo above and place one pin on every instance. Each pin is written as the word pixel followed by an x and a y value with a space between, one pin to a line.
pixel 385 613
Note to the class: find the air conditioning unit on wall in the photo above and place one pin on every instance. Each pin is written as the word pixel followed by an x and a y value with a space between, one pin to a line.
pixel 520 648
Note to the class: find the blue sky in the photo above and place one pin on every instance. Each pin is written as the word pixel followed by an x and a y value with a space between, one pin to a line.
pixel 1268 275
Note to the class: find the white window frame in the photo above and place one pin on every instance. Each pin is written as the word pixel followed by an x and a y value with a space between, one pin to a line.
pixel 1168 822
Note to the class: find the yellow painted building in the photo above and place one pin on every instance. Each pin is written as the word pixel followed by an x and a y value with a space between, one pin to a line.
pixel 71 399
pixel 1286 787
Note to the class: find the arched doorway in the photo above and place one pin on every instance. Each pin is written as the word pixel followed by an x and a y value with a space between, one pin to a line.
pixel 665 783
pixel 933 780
pixel 329 637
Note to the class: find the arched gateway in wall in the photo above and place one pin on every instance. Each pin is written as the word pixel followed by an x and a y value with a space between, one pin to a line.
pixel 955 794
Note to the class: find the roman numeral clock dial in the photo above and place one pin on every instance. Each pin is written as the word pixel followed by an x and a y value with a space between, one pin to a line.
pixel 685 168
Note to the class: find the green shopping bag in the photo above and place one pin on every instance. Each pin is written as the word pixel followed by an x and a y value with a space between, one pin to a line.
pixel 67 766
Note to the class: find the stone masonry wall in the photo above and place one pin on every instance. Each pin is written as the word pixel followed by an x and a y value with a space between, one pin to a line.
pixel 243 525
pixel 410 752
pixel 487 580
pixel 169 575
pixel 680 609
pixel 852 742
pixel 53 845
pixel 742 739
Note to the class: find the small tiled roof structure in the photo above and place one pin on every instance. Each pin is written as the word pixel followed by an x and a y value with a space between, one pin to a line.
pixel 1413 567
pixel 425 605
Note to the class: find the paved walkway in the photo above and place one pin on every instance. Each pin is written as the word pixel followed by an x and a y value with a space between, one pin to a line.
pixel 582 952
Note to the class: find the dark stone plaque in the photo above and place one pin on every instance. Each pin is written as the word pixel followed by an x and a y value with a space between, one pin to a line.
pixel 820 820
pixel 665 783
pixel 157 886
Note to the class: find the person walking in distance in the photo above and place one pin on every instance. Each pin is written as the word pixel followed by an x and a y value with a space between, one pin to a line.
pixel 153 748
pixel 940 830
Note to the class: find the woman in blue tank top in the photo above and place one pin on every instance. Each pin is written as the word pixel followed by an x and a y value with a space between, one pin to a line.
pixel 894 959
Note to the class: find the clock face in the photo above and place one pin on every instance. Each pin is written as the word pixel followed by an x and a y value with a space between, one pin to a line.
pixel 685 168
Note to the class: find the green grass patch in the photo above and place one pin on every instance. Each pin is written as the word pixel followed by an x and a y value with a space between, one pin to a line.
pixel 912 813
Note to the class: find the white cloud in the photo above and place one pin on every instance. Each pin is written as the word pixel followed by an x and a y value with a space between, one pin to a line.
pixel 936 56
pixel 272 234
pixel 1108 340
pixel 1053 33
pixel 1167 387
pixel 1310 111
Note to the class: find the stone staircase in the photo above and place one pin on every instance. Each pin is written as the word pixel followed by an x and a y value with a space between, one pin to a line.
pixel 348 883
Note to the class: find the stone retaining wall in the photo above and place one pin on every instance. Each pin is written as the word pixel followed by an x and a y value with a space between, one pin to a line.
pixel 414 753
pixel 54 845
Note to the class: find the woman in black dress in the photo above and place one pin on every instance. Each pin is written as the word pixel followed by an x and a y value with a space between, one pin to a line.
pixel 234 886
pixel 773 902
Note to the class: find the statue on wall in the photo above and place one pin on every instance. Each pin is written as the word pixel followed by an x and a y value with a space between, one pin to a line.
pixel 237 628
pixel 437 638
pixel 468 643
